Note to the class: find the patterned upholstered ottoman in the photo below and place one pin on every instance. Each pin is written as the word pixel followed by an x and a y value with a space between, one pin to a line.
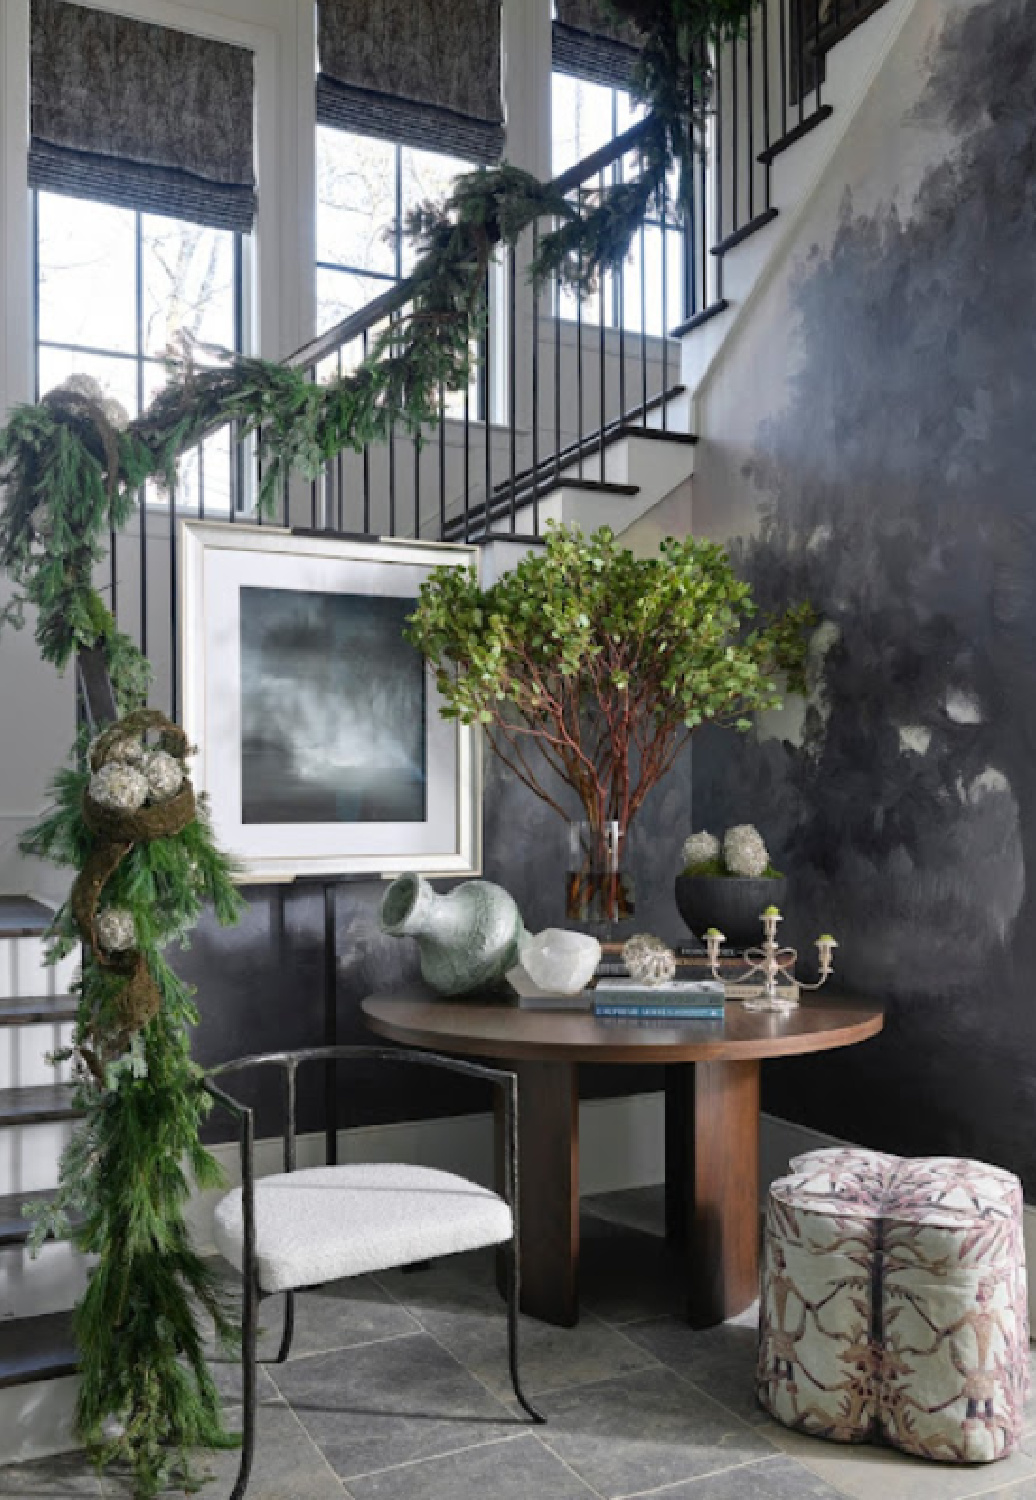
pixel 893 1304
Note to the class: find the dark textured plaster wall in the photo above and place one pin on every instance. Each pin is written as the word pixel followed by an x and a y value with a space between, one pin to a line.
pixel 888 473
pixel 260 985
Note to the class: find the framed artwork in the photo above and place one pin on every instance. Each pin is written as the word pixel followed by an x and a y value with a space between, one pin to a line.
pixel 320 744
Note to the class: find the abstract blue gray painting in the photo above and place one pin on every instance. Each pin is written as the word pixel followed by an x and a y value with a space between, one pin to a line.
pixel 333 710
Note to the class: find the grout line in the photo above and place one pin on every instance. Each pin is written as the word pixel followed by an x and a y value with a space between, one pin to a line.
pixel 664 1489
pixel 299 1359
pixel 430 1458
pixel 311 1440
pixel 579 1478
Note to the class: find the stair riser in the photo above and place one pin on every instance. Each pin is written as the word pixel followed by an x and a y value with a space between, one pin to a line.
pixel 29 1155
pixel 36 1420
pixel 53 1282
pixel 24 1051
pixel 23 971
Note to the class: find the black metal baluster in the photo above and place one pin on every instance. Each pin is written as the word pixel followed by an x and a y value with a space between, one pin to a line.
pixel 416 442
pixel 443 462
pixel 340 464
pixel 750 116
pixel 800 47
pixel 579 368
pixel 174 604
pixel 720 127
pixel 556 300
pixel 535 411
pixel 366 454
pixel 765 14
pixel 512 378
pixel 602 352
pixel 703 187
pixel 643 323
pixel 664 311
pixel 818 56
pixel 488 410
pixel 782 59
pixel 735 123
pixel 467 474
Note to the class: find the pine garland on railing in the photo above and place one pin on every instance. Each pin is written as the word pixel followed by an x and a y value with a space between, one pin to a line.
pixel 72 468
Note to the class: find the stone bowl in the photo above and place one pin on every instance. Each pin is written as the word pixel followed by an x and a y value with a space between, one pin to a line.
pixel 733 903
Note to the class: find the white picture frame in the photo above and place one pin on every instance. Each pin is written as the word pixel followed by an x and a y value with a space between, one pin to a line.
pixel 320 747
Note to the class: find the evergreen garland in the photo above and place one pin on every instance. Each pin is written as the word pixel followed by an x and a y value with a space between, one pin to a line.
pixel 71 468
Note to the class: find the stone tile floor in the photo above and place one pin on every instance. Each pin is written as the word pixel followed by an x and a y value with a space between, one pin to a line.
pixel 397 1389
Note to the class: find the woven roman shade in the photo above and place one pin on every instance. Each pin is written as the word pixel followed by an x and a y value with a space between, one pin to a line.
pixel 423 72
pixel 590 43
pixel 141 116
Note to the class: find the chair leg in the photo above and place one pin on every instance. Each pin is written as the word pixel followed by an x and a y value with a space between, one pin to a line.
pixel 513 1296
pixel 249 1356
pixel 289 1328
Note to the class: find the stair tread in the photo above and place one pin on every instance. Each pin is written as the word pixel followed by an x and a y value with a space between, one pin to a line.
pixel 29 1106
pixel 23 916
pixel 15 1228
pixel 40 1348
pixel 24 1010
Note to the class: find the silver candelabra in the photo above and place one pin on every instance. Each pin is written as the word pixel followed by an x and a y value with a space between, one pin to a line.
pixel 776 987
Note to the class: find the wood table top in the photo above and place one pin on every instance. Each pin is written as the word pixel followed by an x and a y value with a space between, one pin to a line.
pixel 474 1028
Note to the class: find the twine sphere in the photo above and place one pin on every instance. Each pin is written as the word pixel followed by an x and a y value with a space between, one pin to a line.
pixel 744 852
pixel 116 930
pixel 164 775
pixel 119 787
pixel 648 959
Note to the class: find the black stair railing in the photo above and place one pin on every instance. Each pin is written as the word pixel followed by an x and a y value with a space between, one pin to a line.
pixel 557 380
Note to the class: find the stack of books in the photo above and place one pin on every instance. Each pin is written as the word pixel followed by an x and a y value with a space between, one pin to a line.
pixel 679 1000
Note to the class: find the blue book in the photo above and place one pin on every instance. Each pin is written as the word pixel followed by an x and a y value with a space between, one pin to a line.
pixel 633 1011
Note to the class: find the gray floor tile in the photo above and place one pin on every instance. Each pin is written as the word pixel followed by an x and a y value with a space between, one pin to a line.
pixel 337 1316
pixel 288 1466
pixel 768 1479
pixel 644 1431
pixel 61 1478
pixel 391 1403
pixel 517 1470
pixel 457 1301
pixel 719 1360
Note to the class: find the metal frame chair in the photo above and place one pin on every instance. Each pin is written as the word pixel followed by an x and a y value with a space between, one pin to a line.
pixel 507 1086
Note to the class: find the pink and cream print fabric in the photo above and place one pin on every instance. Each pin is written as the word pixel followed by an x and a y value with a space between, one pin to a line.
pixel 893 1304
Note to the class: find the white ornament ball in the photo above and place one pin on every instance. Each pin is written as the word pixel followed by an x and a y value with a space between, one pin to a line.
pixel 119 787
pixel 649 960
pixel 700 849
pixel 115 929
pixel 744 852
pixel 164 775
pixel 126 749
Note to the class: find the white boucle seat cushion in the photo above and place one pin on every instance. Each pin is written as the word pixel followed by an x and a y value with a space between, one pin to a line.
pixel 323 1223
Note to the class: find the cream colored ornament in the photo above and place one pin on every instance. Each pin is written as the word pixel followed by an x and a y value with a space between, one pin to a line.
pixel 119 787
pixel 700 849
pixel 116 930
pixel 128 749
pixel 164 775
pixel 744 852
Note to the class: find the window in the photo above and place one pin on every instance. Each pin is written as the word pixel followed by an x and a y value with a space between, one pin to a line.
pixel 586 116
pixel 114 286
pixel 365 188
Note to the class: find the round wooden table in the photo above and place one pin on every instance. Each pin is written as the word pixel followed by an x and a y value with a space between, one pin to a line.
pixel 712 1123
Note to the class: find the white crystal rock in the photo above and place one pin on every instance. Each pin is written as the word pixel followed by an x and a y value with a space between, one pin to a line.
pixel 560 962
pixel 744 852
pixel 700 849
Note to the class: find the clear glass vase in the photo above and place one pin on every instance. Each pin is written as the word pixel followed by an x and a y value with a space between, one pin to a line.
pixel 598 888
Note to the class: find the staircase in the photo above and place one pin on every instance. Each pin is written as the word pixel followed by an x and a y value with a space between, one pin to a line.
pixel 37 1355
pixel 588 420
